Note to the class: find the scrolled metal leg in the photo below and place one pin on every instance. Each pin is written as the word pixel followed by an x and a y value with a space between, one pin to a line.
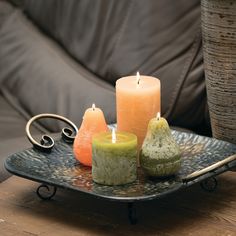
pixel 209 184
pixel 132 213
pixel 48 194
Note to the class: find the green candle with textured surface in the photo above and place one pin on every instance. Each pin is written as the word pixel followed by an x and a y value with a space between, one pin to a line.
pixel 160 154
pixel 114 158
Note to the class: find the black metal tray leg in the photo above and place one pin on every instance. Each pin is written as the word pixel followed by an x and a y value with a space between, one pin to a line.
pixel 48 194
pixel 132 214
pixel 209 184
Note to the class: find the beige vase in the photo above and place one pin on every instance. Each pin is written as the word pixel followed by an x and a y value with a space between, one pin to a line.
pixel 219 50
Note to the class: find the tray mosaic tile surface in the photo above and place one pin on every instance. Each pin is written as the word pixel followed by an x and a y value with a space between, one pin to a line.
pixel 59 168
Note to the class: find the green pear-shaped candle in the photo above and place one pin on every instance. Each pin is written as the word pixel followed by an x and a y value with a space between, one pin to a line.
pixel 160 154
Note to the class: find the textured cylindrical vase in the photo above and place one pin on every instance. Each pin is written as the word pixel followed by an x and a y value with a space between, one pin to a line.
pixel 219 50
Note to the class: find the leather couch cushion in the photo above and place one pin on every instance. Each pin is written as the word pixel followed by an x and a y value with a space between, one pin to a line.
pixel 43 78
pixel 116 38
pixel 12 123
pixel 12 133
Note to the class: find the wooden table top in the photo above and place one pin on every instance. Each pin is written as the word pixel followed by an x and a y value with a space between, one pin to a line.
pixel 191 211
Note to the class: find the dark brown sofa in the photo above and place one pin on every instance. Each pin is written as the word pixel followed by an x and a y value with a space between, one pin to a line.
pixel 59 56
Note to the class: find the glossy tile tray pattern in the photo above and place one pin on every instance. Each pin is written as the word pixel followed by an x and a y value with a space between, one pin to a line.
pixel 59 168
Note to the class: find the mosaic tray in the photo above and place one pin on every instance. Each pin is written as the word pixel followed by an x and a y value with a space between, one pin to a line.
pixel 200 158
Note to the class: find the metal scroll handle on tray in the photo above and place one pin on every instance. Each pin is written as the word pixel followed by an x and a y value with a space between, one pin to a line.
pixel 210 168
pixel 210 183
pixel 46 143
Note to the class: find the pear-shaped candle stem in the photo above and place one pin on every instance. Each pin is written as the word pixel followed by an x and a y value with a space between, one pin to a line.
pixel 160 154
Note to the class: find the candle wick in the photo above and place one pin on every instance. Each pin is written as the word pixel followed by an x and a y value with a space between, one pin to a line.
pixel 113 138
pixel 138 78
pixel 93 107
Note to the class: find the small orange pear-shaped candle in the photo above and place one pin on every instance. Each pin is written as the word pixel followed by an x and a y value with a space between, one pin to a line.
pixel 93 122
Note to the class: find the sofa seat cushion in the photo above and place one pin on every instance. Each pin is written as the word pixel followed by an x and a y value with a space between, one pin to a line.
pixel 12 121
pixel 12 133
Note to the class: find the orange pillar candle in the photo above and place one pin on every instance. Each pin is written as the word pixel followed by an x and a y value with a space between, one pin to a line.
pixel 137 101
pixel 93 122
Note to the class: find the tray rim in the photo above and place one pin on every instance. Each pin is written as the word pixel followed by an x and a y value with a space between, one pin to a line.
pixel 182 185
pixel 120 199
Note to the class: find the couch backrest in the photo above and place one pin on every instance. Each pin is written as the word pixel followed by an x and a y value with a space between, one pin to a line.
pixel 117 38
